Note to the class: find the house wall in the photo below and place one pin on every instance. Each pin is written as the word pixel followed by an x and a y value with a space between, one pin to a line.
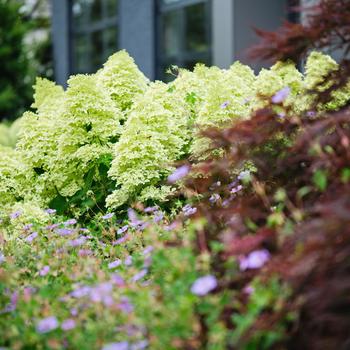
pixel 137 33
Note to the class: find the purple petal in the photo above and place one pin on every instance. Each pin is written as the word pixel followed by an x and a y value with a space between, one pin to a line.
pixel 44 271
pixel 50 211
pixel 116 346
pixel 179 173
pixel 15 214
pixel 70 222
pixel 203 285
pixel 31 237
pixel 108 216
pixel 68 324
pixel 224 105
pixel 114 264
pixel 254 260
pixel 47 325
pixel 281 95
pixel 139 275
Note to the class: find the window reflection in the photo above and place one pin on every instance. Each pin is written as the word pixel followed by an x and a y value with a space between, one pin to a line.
pixel 94 33
pixel 184 35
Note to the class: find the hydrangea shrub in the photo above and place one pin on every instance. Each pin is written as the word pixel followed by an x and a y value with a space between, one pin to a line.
pixel 112 137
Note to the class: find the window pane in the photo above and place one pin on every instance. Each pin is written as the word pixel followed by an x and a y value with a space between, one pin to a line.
pixel 112 8
pixel 81 12
pixel 111 41
pixel 96 10
pixel 81 53
pixel 172 33
pixel 196 34
pixel 97 49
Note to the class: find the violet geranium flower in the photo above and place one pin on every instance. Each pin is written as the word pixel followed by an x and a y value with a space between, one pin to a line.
pixel 68 324
pixel 124 345
pixel 255 260
pixel 178 174
pixel 204 285
pixel 108 216
pixel 47 324
pixel 281 95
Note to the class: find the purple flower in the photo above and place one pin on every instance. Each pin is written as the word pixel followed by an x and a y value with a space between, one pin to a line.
pixel 116 346
pixel 70 222
pixel 125 305
pixel 120 240
pixel 214 198
pixel 64 231
pixel 114 264
pixel 108 216
pixel 85 252
pixel 77 242
pixel 236 189
pixel 143 344
pixel 46 325
pixel 243 175
pixel 248 290
pixel 74 311
pixel 31 237
pixel 147 250
pixel 117 280
pixel 15 214
pixel 128 261
pixel 132 215
pixel 68 324
pixel 188 210
pixel 101 292
pixel 224 105
pixel 171 227
pixel 203 285
pixel 122 229
pixel 81 292
pixel 254 260
pixel 27 227
pixel 281 95
pixel 310 114
pixel 2 257
pixel 50 211
pixel 158 217
pixel 44 271
pixel 151 209
pixel 179 173
pixel 51 227
pixel 83 229
pixel 139 275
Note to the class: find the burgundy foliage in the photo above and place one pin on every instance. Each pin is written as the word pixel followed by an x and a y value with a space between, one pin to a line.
pixel 312 253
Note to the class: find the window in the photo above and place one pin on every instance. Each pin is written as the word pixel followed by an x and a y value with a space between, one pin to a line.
pixel 94 33
pixel 183 34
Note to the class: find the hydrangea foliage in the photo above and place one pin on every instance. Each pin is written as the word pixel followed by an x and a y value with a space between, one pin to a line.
pixel 113 136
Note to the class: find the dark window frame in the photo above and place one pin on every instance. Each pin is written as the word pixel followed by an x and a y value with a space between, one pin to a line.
pixel 185 55
pixel 88 29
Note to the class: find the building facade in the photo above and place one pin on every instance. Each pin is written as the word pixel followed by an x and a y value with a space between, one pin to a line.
pixel 158 33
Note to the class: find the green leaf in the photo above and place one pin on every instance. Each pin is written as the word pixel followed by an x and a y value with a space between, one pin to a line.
pixel 320 179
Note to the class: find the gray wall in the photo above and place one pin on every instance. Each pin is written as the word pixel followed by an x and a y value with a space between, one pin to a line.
pixel 262 14
pixel 137 33
pixel 233 22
